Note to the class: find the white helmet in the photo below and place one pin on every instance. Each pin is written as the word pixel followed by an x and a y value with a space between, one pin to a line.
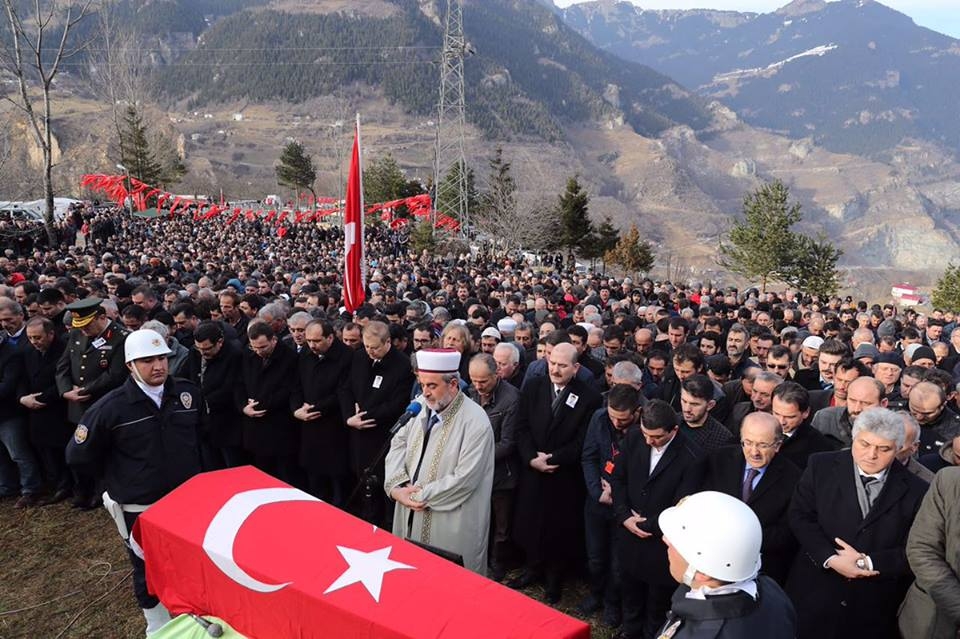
pixel 144 343
pixel 718 535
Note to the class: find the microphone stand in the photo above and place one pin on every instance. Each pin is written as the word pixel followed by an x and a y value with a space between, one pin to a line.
pixel 370 483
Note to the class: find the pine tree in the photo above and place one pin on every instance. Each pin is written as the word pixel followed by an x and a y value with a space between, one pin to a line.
pixel 384 181
pixel 137 156
pixel 575 226
pixel 296 168
pixel 946 294
pixel 602 240
pixel 762 245
pixel 631 253
pixel 813 268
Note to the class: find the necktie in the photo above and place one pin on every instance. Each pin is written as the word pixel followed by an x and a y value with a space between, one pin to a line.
pixel 556 398
pixel 431 423
pixel 203 368
pixel 871 486
pixel 747 488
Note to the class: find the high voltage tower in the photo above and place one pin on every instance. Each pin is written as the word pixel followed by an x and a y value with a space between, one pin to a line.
pixel 449 155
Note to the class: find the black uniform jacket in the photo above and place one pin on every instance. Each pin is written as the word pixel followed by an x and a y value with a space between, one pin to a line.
pixel 735 615
pixel 142 451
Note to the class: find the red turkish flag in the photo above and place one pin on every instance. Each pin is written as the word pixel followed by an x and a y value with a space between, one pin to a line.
pixel 272 561
pixel 354 275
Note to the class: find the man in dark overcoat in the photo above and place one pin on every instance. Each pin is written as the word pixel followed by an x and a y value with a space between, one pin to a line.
pixel 270 434
pixel 47 422
pixel 215 365
pixel 371 401
pixel 322 367
pixel 851 513
pixel 756 473
pixel 551 426
pixel 657 467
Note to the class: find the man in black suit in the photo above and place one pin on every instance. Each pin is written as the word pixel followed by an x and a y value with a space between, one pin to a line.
pixel 322 366
pixel 765 481
pixel 262 394
pixel 215 365
pixel 551 425
pixel 791 407
pixel 657 467
pixel 46 411
pixel 371 400
pixel 851 513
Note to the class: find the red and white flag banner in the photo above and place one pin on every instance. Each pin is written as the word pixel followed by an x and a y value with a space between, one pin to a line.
pixel 273 561
pixel 354 267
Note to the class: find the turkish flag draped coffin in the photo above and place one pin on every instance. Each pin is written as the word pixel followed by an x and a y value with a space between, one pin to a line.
pixel 276 563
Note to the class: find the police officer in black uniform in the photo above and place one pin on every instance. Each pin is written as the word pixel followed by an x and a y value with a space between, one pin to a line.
pixel 91 365
pixel 143 438
pixel 713 547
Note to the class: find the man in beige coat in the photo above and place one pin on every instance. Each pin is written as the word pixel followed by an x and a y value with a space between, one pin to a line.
pixel 439 470
pixel 931 609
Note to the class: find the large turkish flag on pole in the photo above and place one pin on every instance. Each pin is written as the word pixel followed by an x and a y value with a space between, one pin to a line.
pixel 276 563
pixel 354 266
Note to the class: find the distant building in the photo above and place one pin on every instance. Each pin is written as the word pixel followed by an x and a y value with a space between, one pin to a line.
pixel 899 290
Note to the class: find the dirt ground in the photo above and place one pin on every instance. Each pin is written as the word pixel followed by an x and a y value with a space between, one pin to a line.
pixel 64 574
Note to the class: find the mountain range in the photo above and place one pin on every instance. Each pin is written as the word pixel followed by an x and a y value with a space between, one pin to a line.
pixel 854 75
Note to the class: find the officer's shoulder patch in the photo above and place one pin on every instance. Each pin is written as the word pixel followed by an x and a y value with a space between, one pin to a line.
pixel 80 434
pixel 186 399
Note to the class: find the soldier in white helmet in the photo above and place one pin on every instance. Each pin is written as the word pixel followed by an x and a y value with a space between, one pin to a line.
pixel 143 439
pixel 713 545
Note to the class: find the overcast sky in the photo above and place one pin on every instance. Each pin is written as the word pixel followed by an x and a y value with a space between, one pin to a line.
pixel 940 15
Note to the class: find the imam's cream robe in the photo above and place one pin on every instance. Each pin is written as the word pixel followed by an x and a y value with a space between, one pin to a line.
pixel 456 477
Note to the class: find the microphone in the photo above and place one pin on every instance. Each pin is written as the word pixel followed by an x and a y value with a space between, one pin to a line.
pixel 409 413
pixel 213 629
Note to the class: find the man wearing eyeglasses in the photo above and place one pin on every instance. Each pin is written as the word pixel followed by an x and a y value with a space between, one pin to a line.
pixel 754 472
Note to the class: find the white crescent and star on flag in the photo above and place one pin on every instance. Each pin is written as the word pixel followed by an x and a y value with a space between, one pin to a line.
pixel 365 568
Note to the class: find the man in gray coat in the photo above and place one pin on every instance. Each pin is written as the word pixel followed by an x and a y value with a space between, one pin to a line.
pixel 931 609
pixel 499 401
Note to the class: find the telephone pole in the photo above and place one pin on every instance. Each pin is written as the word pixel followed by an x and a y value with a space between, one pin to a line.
pixel 449 154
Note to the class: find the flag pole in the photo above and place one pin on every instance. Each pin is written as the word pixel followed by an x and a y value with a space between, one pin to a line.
pixel 363 243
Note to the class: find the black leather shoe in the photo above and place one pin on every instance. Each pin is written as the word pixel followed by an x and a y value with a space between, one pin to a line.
pixel 27 501
pixel 56 497
pixel 553 594
pixel 612 618
pixel 588 605
pixel 79 500
pixel 92 503
pixel 498 572
pixel 525 580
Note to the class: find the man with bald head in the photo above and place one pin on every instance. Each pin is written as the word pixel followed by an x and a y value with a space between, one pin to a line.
pixel 754 472
pixel 551 424
pixel 938 424
pixel 911 444
pixel 836 422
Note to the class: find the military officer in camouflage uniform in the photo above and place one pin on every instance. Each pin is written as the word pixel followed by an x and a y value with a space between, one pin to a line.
pixel 90 367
